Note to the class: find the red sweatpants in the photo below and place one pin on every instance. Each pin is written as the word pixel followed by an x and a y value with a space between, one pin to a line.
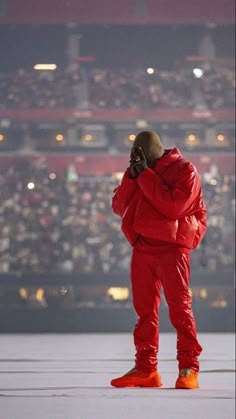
pixel 166 267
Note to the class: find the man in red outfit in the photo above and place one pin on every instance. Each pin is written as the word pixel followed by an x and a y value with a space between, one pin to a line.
pixel 163 217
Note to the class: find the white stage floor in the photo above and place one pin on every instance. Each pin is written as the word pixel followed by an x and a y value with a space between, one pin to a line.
pixel 68 377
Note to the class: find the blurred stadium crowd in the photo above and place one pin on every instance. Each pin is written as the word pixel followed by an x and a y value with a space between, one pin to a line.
pixel 50 223
pixel 209 87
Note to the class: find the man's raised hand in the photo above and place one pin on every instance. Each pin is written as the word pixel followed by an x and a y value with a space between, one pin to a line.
pixel 138 162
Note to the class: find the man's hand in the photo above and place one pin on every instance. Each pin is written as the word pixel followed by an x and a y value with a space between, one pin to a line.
pixel 132 166
pixel 133 172
pixel 143 161
pixel 138 162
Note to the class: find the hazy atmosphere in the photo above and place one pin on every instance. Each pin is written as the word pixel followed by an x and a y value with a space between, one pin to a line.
pixel 117 207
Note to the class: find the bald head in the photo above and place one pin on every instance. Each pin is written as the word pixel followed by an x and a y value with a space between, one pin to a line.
pixel 151 145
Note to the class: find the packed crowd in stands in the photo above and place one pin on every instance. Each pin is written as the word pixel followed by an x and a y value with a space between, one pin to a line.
pixel 165 89
pixel 120 88
pixel 56 224
pixel 37 90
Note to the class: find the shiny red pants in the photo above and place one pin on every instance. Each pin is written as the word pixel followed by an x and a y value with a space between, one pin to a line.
pixel 167 267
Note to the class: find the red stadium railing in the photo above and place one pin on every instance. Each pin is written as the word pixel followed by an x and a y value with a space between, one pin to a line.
pixel 185 11
pixel 122 11
pixel 118 114
pixel 104 163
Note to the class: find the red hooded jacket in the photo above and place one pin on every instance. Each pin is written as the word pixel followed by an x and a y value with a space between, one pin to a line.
pixel 164 203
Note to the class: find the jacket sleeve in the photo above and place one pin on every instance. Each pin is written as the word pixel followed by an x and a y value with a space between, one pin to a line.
pixel 201 217
pixel 172 201
pixel 123 193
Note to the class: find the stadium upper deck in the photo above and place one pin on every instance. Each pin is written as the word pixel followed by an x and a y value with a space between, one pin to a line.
pixel 124 11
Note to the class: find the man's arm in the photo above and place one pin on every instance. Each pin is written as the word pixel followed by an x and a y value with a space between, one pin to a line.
pixel 171 201
pixel 123 193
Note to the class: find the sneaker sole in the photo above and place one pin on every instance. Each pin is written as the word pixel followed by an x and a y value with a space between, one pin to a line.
pixel 186 388
pixel 152 384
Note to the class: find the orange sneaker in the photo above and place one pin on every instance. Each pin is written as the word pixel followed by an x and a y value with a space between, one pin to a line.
pixel 188 379
pixel 135 378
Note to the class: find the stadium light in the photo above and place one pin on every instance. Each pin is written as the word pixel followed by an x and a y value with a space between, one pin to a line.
pixel 1 137
pixel 118 293
pixel 191 138
pixel 24 293
pixel 52 176
pixel 39 296
pixel 203 293
pixel 141 123
pixel 198 72
pixel 45 67
pixel 59 137
pixel 31 185
pixel 220 138
pixel 132 137
pixel 150 70
pixel 88 137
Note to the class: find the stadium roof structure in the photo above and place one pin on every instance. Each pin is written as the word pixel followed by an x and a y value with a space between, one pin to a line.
pixel 118 12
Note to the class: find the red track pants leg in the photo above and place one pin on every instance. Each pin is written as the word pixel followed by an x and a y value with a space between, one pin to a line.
pixel 146 287
pixel 175 267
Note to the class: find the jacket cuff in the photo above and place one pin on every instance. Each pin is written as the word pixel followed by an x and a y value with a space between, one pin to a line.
pixel 145 175
pixel 127 182
pixel 127 175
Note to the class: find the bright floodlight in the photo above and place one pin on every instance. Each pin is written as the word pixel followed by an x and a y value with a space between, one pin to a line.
pixel 150 70
pixel 31 185
pixel 88 137
pixel 59 137
pixel 198 72
pixel 220 137
pixel 52 176
pixel 132 137
pixel 46 67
